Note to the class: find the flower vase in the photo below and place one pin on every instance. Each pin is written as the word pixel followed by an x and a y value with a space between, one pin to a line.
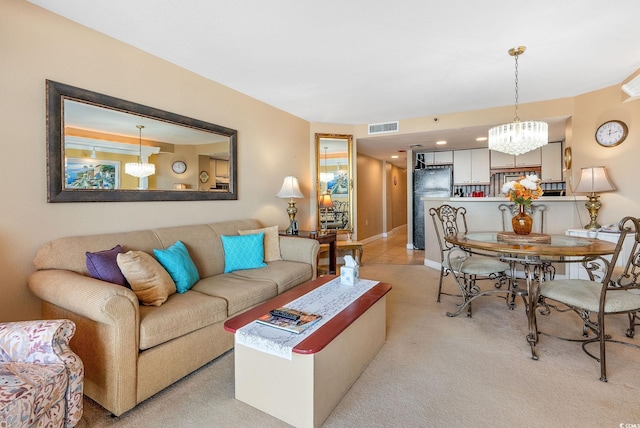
pixel 522 222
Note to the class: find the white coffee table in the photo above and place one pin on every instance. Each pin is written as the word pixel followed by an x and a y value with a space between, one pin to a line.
pixel 304 390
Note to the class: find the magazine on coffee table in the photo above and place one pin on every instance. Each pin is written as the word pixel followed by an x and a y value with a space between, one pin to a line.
pixel 289 319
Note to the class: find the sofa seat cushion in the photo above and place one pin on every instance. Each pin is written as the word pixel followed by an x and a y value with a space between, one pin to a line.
pixel 179 315
pixel 240 292
pixel 32 393
pixel 284 273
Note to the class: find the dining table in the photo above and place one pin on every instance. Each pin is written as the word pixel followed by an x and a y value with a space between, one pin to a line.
pixel 536 253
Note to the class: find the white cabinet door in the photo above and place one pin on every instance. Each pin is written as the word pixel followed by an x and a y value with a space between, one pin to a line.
pixel 532 158
pixel 502 160
pixel 552 162
pixel 462 167
pixel 471 166
pixel 577 271
pixel 440 158
pixel 480 169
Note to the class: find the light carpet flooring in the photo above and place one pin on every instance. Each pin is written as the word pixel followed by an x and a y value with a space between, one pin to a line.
pixel 433 371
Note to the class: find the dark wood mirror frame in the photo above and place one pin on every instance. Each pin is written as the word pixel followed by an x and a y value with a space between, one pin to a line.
pixel 57 92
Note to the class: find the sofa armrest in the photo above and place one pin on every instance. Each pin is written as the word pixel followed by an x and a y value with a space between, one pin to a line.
pixel 107 338
pixel 300 250
pixel 91 298
pixel 35 342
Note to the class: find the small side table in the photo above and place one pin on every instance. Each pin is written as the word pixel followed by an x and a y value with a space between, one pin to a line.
pixel 322 238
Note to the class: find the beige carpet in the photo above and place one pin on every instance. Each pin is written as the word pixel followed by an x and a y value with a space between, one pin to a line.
pixel 434 371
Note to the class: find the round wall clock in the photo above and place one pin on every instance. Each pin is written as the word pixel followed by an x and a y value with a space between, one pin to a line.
pixel 611 133
pixel 179 167
pixel 204 176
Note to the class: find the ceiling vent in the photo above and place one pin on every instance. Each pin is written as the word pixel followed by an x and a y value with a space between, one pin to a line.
pixel 383 128
pixel 632 88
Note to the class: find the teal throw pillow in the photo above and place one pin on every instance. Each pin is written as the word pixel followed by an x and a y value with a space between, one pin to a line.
pixel 178 263
pixel 243 252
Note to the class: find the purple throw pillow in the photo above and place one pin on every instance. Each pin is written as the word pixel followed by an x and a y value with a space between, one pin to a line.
pixel 104 265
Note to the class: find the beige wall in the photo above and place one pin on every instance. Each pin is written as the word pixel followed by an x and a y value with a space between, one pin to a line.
pixel 622 162
pixel 398 194
pixel 36 45
pixel 370 177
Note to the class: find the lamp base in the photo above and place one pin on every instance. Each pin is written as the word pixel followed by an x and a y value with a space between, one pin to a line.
pixel 293 228
pixel 593 206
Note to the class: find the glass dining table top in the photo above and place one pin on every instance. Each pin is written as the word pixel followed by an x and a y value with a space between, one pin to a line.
pixel 560 245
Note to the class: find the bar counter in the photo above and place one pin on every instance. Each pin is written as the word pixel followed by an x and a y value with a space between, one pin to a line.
pixel 483 215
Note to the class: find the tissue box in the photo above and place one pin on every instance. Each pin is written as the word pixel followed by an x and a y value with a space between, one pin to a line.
pixel 349 275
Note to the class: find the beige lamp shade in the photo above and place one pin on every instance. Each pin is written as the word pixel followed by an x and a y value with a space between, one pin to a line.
pixel 325 201
pixel 594 179
pixel 290 188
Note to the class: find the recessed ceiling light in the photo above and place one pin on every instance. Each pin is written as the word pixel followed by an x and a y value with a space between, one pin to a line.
pixel 395 157
pixel 441 143
pixel 481 139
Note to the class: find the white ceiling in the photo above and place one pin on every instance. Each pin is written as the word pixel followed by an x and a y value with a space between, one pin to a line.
pixel 370 61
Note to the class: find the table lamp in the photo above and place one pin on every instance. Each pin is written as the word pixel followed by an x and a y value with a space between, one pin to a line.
pixel 325 203
pixel 593 179
pixel 291 189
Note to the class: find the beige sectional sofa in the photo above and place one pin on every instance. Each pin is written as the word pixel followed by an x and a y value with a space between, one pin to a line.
pixel 131 351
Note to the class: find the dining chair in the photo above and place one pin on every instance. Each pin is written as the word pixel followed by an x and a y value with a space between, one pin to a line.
pixel 466 268
pixel 614 293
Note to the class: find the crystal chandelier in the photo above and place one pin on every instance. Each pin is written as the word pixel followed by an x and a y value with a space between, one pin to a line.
pixel 140 169
pixel 518 137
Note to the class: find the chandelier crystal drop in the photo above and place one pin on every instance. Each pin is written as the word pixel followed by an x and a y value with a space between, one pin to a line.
pixel 518 137
pixel 140 169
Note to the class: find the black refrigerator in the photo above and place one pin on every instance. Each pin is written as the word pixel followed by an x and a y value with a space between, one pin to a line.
pixel 434 181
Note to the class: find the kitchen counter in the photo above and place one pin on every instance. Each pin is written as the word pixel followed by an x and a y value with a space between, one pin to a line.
pixel 501 199
pixel 483 215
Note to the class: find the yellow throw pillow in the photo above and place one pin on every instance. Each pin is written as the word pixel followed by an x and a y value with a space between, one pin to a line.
pixel 271 242
pixel 148 279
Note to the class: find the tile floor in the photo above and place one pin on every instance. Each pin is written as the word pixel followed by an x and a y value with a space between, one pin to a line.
pixel 392 250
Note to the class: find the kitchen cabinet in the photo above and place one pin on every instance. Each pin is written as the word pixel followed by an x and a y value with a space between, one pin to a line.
pixel 435 158
pixel 471 167
pixel 552 162
pixel 504 160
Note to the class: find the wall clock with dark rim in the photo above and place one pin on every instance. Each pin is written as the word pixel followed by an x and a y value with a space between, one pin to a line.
pixel 179 167
pixel 611 133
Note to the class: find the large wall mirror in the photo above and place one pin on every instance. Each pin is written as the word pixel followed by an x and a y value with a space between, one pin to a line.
pixel 95 143
pixel 334 182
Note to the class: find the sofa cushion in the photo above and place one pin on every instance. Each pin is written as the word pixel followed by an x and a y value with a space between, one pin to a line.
pixel 271 242
pixel 179 315
pixel 178 263
pixel 243 252
pixel 240 293
pixel 148 279
pixel 286 274
pixel 104 266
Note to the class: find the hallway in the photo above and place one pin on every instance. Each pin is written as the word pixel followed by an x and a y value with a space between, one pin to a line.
pixel 392 250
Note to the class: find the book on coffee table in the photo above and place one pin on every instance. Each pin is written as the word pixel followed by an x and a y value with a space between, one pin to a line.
pixel 289 319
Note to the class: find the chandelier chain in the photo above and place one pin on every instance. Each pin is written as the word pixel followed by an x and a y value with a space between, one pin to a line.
pixel 517 118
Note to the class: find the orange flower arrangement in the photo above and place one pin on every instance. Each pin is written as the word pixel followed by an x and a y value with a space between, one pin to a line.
pixel 523 190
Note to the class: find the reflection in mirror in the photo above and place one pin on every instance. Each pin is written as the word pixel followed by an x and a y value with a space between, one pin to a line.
pixel 91 137
pixel 334 182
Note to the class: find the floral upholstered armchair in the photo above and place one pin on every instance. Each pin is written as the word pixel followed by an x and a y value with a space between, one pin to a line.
pixel 41 378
